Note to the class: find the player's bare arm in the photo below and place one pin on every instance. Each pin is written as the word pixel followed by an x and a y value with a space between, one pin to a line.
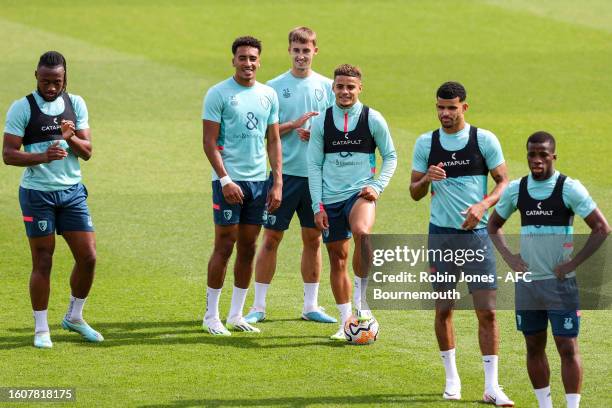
pixel 419 182
pixel 600 229
pixel 474 213
pixel 14 156
pixel 78 140
pixel 210 134
pixel 275 156
pixel 494 227
pixel 297 124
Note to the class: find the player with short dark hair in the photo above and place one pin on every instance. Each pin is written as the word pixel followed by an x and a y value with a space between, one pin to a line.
pixel 302 94
pixel 547 201
pixel 52 126
pixel 454 162
pixel 341 169
pixel 240 116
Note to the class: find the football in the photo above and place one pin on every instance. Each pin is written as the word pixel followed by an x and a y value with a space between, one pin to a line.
pixel 361 333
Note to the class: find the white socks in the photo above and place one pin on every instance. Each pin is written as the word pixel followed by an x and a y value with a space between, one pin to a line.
pixel 573 400
pixel 75 309
pixel 345 309
pixel 238 298
pixel 544 398
pixel 261 290
pixel 450 369
pixel 212 303
pixel 311 295
pixel 40 321
pixel 359 293
pixel 490 371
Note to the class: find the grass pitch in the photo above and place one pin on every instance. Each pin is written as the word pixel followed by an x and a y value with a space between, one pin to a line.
pixel 143 67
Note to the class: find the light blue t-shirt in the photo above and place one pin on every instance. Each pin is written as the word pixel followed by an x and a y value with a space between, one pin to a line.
pixel 297 96
pixel 454 195
pixel 335 177
pixel 543 253
pixel 244 114
pixel 58 174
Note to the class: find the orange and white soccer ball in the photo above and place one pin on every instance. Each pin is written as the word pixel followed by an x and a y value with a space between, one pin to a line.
pixel 361 333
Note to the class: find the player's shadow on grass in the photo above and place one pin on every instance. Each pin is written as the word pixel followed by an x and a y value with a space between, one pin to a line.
pixel 167 333
pixel 368 400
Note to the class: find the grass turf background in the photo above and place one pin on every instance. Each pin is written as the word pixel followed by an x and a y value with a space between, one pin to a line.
pixel 143 67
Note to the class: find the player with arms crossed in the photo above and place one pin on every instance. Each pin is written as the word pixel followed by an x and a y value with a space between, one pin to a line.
pixel 454 161
pixel 240 115
pixel 302 94
pixel 547 201
pixel 341 169
pixel 52 126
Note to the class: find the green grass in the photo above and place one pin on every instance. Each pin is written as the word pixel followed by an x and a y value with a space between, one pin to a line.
pixel 143 67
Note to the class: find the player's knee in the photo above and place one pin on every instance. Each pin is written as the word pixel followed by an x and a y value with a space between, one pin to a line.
pixel 88 261
pixel 246 249
pixel 487 317
pixel 444 315
pixel 567 350
pixel 337 255
pixel 312 242
pixel 42 262
pixel 360 230
pixel 536 352
pixel 271 243
pixel 224 250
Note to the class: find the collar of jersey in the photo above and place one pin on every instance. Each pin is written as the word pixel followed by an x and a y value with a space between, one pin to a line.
pixel 353 110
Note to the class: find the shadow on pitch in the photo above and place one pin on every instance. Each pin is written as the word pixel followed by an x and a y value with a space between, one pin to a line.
pixel 170 333
pixel 305 402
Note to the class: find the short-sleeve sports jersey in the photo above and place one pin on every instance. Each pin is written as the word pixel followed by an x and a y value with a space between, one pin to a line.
pixel 453 195
pixel 244 114
pixel 58 174
pixel 541 260
pixel 336 176
pixel 297 96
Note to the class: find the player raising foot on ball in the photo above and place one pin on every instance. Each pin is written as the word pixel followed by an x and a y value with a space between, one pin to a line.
pixel 341 169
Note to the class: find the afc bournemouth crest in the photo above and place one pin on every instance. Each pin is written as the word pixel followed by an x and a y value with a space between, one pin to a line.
pixel 227 214
pixel 286 93
pixel 42 225
pixel 271 219
pixel 319 94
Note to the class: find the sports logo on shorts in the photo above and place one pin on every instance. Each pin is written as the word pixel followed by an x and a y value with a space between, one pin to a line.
pixel 518 320
pixel 326 233
pixel 265 102
pixel 568 324
pixel 453 156
pixel 272 219
pixel 227 214
pixel 319 94
pixel 286 93
pixel 539 205
pixel 42 225
pixel 264 217
pixel 89 222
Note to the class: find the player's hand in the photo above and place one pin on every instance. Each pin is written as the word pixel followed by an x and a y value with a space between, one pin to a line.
pixel 299 122
pixel 67 129
pixel 321 220
pixel 516 263
pixel 563 269
pixel 368 193
pixel 233 193
pixel 304 134
pixel 275 195
pixel 54 152
pixel 436 173
pixel 473 215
